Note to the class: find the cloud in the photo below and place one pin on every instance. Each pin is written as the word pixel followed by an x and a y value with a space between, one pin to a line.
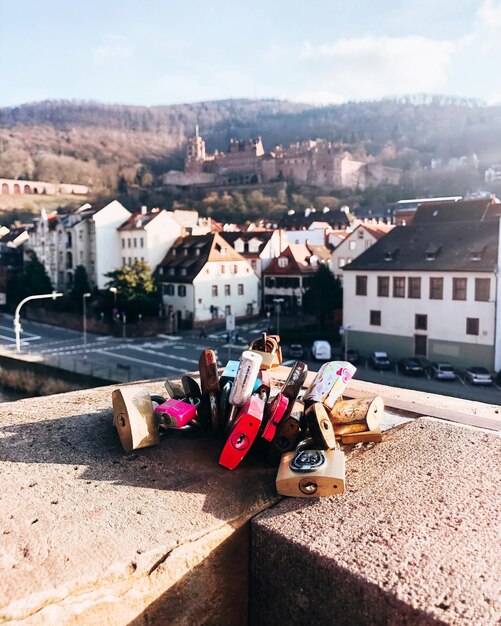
pixel 372 67
pixel 113 47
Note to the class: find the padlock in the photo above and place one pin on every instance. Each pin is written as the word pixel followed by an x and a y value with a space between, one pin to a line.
pixel 264 385
pixel 368 436
pixel 174 389
pixel 134 417
pixel 245 379
pixel 311 473
pixel 243 433
pixel 268 347
pixel 191 387
pixel 175 414
pixel 224 405
pixel 229 373
pixel 209 382
pixel 320 427
pixel 294 382
pixel 275 412
pixel 351 416
pixel 287 434
pixel 329 383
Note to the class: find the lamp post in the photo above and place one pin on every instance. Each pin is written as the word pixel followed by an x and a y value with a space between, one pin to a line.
pixel 345 330
pixel 84 307
pixel 278 302
pixel 114 291
pixel 17 323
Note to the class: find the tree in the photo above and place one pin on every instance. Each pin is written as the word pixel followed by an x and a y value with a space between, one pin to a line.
pixel 137 290
pixel 32 281
pixel 80 284
pixel 324 295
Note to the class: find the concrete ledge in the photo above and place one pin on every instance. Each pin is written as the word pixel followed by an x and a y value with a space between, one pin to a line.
pixel 414 539
pixel 91 535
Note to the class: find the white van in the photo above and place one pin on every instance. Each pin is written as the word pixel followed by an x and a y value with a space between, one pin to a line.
pixel 321 350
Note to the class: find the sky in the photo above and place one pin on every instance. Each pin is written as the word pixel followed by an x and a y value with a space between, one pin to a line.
pixel 316 51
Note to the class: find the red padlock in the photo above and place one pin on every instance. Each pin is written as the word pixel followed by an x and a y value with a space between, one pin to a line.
pixel 243 433
pixel 276 412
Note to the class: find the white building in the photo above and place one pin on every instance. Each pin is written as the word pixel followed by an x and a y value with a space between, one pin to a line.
pixel 431 288
pixel 203 278
pixel 356 242
pixel 147 236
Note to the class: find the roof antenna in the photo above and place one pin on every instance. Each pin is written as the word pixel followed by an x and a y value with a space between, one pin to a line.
pixel 196 130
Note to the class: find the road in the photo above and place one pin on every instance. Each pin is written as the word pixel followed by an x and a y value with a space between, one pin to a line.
pixel 168 356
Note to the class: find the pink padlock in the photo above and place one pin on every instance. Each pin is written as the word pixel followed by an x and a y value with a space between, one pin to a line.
pixel 276 411
pixel 175 413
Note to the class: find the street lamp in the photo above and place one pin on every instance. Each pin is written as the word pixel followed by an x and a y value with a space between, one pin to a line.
pixel 84 298
pixel 344 331
pixel 278 302
pixel 17 323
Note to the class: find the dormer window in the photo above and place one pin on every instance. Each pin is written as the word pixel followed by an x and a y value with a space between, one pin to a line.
pixel 172 271
pixel 431 252
pixel 173 251
pixel 197 251
pixel 186 252
pixel 184 271
pixel 239 245
pixel 476 254
pixel 390 255
pixel 283 261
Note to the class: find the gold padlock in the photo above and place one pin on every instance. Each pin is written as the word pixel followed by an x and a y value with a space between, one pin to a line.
pixel 367 436
pixel 268 347
pixel 134 417
pixel 310 473
pixel 354 416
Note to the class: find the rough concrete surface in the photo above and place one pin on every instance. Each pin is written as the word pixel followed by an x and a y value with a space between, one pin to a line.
pixel 413 540
pixel 90 535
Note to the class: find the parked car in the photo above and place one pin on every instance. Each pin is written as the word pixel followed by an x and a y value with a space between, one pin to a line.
pixel 352 356
pixel 478 376
pixel 321 350
pixel 410 367
pixel 379 361
pixel 296 351
pixel 442 371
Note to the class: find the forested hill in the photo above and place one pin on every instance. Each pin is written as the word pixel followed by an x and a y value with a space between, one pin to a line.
pixel 95 143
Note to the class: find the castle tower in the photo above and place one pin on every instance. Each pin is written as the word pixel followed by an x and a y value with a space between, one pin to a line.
pixel 195 153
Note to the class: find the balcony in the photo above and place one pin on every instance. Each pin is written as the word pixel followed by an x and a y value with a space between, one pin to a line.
pixel 162 535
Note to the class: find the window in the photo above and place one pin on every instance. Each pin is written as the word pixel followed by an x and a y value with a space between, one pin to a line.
pixel 141 242
pixel 135 242
pixel 414 287
pixel 459 288
pixel 128 242
pixel 123 243
pixel 352 245
pixel 341 262
pixel 235 269
pixel 129 261
pixel 472 325
pixel 214 291
pixel 283 261
pixel 227 309
pixel 421 322
pixel 360 234
pixel 240 289
pixel 361 286
pixel 184 271
pixel 375 318
pixel 398 287
pixel 482 289
pixel 436 288
pixel 181 290
pixel 254 264
pixel 270 282
pixel 123 261
pixel 171 271
pixel 169 290
pixel 227 290
pixel 367 244
pixel 383 286
pixel 80 235
pixel 222 269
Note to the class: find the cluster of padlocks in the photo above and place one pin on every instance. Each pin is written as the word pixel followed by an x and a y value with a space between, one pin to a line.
pixel 301 426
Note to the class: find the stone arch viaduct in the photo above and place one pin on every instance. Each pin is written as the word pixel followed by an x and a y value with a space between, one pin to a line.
pixel 12 186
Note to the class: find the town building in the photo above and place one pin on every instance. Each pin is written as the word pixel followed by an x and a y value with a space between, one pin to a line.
pixel 146 236
pixel 203 278
pixel 431 288
pixel 354 244
pixel 404 210
pixel 14 186
pixel 287 278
